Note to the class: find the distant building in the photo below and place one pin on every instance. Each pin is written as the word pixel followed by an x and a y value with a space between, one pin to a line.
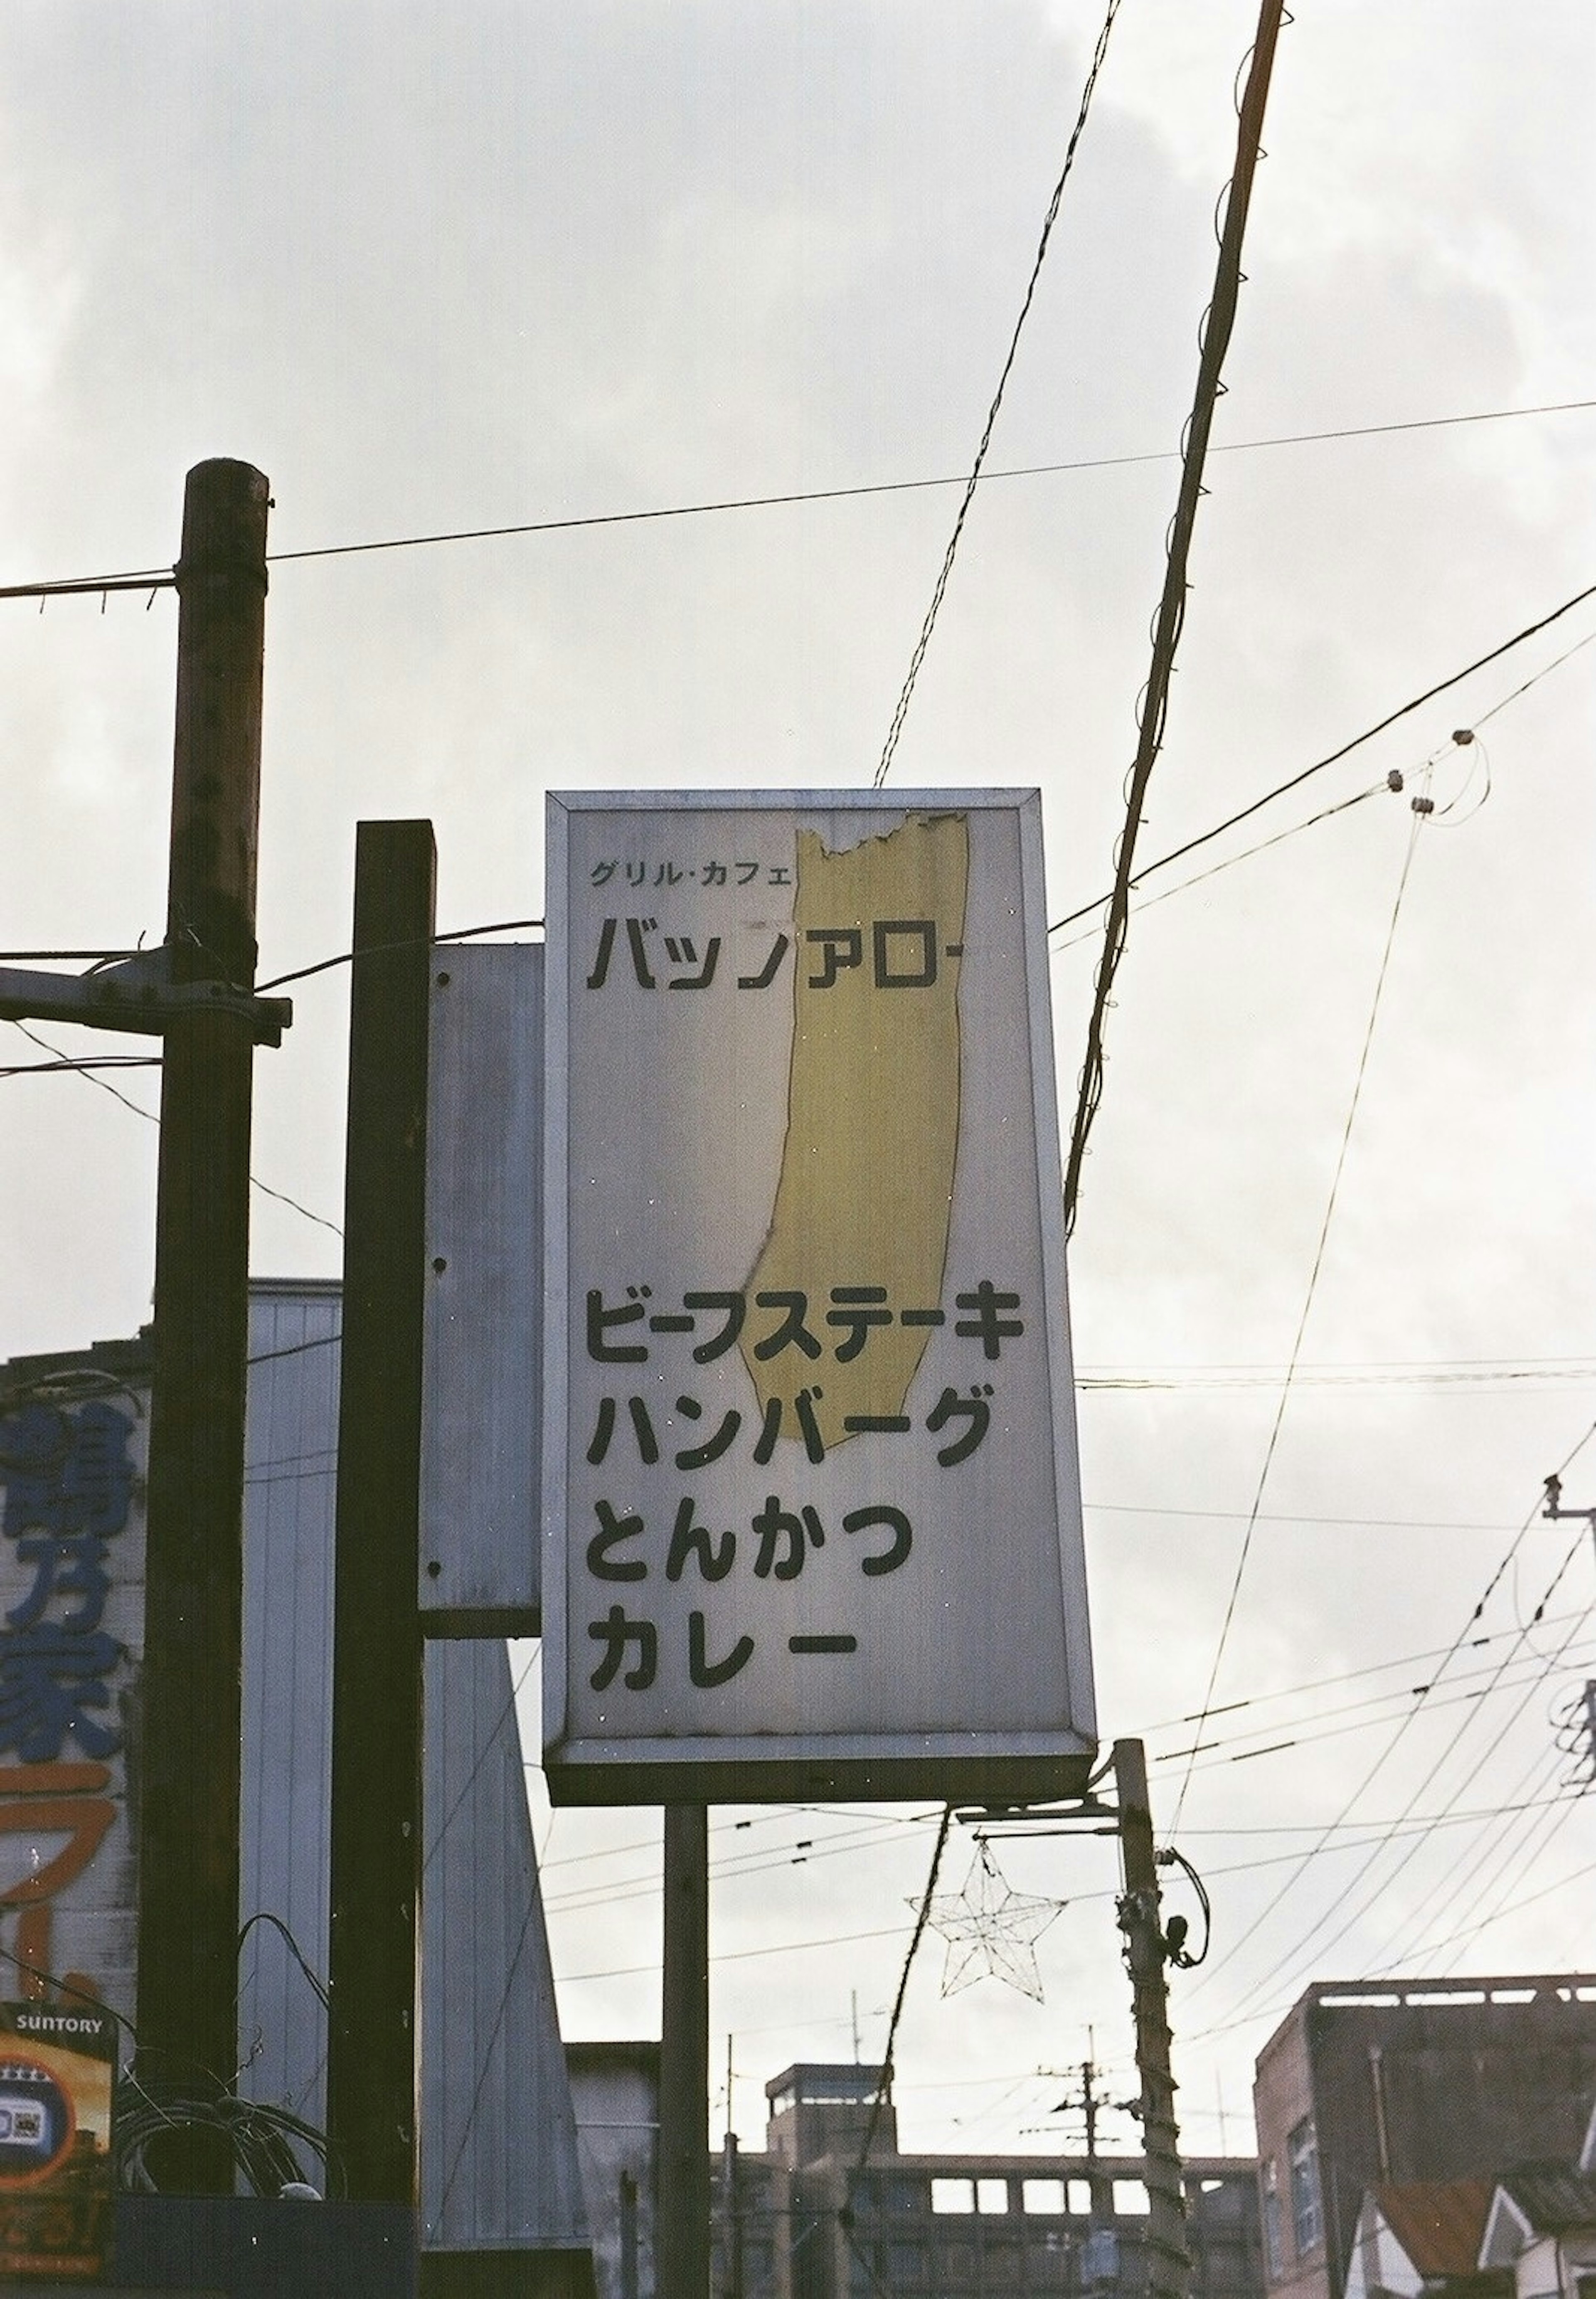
pixel 615 2095
pixel 1422 2241
pixel 804 2220
pixel 1375 2085
pixel 1541 2234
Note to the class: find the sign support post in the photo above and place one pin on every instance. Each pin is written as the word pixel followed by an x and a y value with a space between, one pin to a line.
pixel 682 2249
pixel 375 1851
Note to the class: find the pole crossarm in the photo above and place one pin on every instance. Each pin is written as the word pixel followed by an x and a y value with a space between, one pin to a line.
pixel 1555 1510
pixel 136 994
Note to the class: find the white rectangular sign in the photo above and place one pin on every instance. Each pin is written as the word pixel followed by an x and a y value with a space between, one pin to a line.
pixel 811 1502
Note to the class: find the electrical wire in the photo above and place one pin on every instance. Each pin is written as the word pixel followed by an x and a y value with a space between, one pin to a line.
pixel 1298 1951
pixel 939 591
pixel 1539 1765
pixel 490 1743
pixel 1328 1683
pixel 1302 1737
pixel 1512 1838
pixel 1303 1861
pixel 1438 1372
pixel 849 1939
pixel 348 957
pixel 585 1898
pixel 88 1070
pixel 161 577
pixel 1198 878
pixel 1214 338
pixel 1274 2012
pixel 1308 1298
pixel 318 1986
pixel 1515 1864
pixel 1276 1516
pixel 92 1062
pixel 487 2056
pixel 1472 1931
pixel 922 1918
pixel 262 2140
pixel 1333 758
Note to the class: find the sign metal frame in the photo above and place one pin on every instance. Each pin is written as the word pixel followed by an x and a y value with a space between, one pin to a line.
pixel 987 1764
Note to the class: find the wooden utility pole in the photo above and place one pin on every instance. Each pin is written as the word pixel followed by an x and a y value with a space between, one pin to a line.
pixel 189 1790
pixel 1169 2264
pixel 376 1834
pixel 682 2241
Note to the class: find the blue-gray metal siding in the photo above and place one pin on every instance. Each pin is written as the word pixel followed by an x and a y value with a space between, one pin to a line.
pixel 498 2141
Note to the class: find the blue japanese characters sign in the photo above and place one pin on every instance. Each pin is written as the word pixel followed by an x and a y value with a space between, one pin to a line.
pixel 72 1588
pixel 811 1511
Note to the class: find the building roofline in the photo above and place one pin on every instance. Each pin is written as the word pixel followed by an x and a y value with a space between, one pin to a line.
pixel 1419 1993
pixel 1073 2167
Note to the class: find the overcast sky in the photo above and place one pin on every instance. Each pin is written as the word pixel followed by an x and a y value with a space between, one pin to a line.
pixel 441 268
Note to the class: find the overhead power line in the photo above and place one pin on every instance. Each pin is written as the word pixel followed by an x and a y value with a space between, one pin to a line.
pixel 90 1069
pixel 900 712
pixel 1460 1641
pixel 1308 1298
pixel 1330 758
pixel 1214 339
pixel 1299 1943
pixel 156 578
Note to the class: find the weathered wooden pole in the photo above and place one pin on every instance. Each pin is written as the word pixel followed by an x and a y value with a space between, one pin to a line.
pixel 682 2249
pixel 188 1754
pixel 376 1832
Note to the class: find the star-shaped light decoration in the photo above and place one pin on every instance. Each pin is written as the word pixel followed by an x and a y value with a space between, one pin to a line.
pixel 990 1929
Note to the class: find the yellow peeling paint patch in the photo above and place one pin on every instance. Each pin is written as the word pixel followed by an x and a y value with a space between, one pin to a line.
pixel 865 1192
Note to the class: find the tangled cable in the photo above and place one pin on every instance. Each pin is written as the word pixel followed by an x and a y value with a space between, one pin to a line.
pixel 273 2150
pixel 1178 1929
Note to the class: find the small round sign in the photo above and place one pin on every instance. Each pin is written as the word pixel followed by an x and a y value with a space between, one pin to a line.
pixel 36 2123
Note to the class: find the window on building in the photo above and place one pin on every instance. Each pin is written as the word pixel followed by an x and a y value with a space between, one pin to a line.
pixel 1042 2195
pixel 1274 2250
pixel 1080 2197
pixel 991 2195
pixel 953 2195
pixel 1130 2199
pixel 1307 2224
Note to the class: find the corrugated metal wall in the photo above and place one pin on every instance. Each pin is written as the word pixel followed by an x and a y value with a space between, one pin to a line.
pixel 498 2136
pixel 291 1439
pixel 498 2139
